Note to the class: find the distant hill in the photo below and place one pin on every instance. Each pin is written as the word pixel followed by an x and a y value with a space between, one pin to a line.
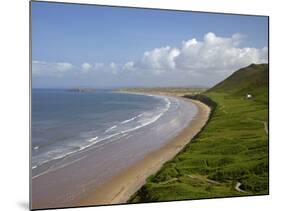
pixel 81 90
pixel 252 79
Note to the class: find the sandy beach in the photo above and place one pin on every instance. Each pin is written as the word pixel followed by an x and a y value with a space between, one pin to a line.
pixel 112 174
pixel 120 188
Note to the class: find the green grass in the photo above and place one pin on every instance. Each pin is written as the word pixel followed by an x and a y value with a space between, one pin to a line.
pixel 233 147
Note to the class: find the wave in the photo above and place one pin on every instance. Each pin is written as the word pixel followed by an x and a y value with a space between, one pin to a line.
pixel 118 131
pixel 129 120
pixel 149 120
pixel 62 153
pixel 51 169
pixel 93 139
pixel 36 147
pixel 111 128
pixel 99 140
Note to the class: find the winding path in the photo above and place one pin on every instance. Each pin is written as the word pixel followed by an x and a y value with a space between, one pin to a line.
pixel 237 188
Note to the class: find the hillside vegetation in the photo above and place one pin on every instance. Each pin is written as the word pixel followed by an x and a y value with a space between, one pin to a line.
pixel 252 79
pixel 229 157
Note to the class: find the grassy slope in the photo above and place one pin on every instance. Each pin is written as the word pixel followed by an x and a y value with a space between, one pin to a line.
pixel 232 148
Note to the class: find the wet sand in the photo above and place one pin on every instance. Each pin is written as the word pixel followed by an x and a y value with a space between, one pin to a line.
pixel 119 189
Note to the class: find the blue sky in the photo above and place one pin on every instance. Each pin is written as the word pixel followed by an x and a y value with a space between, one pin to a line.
pixel 83 34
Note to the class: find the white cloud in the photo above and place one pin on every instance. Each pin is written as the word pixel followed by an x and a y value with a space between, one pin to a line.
pixel 86 67
pixel 113 67
pixel 98 66
pixel 213 55
pixel 37 67
pixel 209 59
pixel 42 68
pixel 159 59
pixel 63 66
pixel 217 54
pixel 129 66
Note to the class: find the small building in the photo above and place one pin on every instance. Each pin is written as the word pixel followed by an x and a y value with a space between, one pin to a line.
pixel 249 96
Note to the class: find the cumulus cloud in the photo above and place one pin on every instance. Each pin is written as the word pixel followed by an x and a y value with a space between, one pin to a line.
pixel 197 61
pixel 159 59
pixel 217 54
pixel 63 66
pixel 113 67
pixel 129 66
pixel 50 69
pixel 86 67
pixel 213 54
pixel 98 66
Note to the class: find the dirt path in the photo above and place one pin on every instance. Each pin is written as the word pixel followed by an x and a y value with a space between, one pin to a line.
pixel 237 188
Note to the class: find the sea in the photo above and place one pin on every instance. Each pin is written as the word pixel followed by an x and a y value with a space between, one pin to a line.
pixel 85 138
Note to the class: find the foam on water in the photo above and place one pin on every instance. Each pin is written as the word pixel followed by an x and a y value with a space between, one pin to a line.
pixel 111 128
pixel 93 139
pixel 36 147
pixel 131 119
pixel 115 132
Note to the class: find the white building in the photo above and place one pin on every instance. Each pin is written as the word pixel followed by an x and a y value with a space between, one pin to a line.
pixel 249 96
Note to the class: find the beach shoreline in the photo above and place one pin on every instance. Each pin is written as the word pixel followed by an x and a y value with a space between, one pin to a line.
pixel 121 187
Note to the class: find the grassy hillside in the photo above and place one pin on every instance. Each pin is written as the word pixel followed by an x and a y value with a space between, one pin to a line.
pixel 252 79
pixel 230 156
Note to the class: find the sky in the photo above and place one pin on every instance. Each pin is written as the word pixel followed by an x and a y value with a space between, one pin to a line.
pixel 107 47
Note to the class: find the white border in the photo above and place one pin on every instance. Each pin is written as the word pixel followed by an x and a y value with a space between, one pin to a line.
pixel 14 87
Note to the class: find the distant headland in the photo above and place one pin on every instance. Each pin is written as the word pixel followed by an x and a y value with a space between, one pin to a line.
pixel 81 90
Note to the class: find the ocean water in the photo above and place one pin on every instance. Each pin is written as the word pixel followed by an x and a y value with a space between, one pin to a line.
pixel 65 123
